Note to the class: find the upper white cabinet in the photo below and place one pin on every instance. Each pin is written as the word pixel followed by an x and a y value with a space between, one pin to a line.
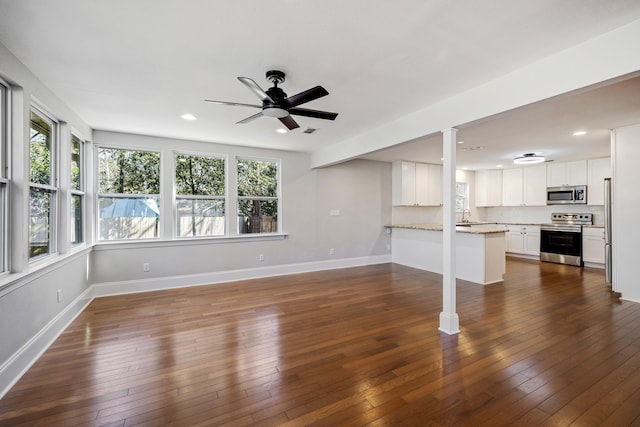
pixel 567 173
pixel 489 188
pixel 416 184
pixel 599 169
pixel 524 186
pixel 512 187
pixel 535 186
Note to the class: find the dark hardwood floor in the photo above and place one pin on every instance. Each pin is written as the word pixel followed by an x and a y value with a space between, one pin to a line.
pixel 351 347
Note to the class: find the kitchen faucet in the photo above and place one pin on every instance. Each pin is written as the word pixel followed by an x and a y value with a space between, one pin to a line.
pixel 463 212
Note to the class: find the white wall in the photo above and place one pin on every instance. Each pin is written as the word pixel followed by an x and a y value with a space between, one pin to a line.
pixel 360 190
pixel 625 154
pixel 30 314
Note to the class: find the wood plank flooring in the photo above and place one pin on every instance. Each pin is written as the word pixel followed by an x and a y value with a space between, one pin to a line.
pixel 550 346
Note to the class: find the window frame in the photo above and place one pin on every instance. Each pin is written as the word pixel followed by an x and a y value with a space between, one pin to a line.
pixel 99 195
pixel 224 198
pixel 77 192
pixel 277 198
pixel 52 187
pixel 5 103
pixel 465 197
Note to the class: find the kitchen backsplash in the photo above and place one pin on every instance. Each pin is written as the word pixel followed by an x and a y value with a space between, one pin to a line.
pixel 536 214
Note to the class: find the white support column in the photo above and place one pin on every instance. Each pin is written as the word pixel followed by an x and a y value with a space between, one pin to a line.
pixel 449 321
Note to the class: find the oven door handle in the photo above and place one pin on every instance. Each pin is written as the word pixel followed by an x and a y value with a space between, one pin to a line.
pixel 563 229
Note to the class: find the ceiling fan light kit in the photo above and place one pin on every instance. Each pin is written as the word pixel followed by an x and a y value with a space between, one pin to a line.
pixel 528 159
pixel 275 102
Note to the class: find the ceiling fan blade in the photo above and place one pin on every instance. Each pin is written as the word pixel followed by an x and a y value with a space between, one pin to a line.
pixel 289 122
pixel 250 118
pixel 253 86
pixel 313 113
pixel 235 104
pixel 306 96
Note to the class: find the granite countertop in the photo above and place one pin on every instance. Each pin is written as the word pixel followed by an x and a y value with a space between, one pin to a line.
pixel 472 228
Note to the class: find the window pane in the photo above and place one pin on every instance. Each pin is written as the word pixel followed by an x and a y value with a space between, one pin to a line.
pixel 200 217
pixel 3 207
pixel 257 216
pixel 257 178
pixel 40 170
pixel 128 218
pixel 76 164
pixel 76 219
pixel 199 176
pixel 3 175
pixel 40 209
pixel 461 196
pixel 128 172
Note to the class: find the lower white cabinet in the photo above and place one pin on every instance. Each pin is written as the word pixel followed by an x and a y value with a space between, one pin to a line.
pixel 523 239
pixel 593 245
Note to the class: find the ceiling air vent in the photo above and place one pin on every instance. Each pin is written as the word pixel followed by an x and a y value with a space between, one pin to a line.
pixel 310 130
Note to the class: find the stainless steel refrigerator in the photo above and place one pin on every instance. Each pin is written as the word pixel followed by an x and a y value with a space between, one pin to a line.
pixel 608 256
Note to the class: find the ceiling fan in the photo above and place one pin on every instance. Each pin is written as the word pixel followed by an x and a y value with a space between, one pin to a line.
pixel 275 102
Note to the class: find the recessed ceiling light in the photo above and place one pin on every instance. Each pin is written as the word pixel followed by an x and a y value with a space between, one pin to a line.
pixel 528 158
pixel 460 142
pixel 498 166
pixel 188 116
pixel 441 158
pixel 281 130
pixel 580 133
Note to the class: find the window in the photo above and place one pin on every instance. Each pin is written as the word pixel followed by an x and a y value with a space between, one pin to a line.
pixel 462 197
pixel 257 196
pixel 42 189
pixel 200 195
pixel 4 181
pixel 77 190
pixel 128 194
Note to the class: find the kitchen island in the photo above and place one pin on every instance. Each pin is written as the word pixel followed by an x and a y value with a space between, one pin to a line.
pixel 480 250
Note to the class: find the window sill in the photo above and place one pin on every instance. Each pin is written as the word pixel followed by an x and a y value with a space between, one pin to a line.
pixel 187 241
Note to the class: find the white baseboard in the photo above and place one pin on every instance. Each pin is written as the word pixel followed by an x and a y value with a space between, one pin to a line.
pixel 16 366
pixel 173 282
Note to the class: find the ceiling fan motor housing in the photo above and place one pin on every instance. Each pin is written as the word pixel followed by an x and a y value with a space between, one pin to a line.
pixel 275 76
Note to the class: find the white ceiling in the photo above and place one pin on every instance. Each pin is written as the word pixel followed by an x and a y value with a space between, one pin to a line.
pixel 136 66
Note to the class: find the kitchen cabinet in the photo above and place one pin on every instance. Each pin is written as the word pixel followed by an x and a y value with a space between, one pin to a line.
pixel 489 188
pixel 523 239
pixel 593 245
pixel 524 186
pixel 567 173
pixel 416 184
pixel 598 170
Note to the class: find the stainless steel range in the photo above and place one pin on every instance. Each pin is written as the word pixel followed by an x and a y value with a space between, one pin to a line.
pixel 561 240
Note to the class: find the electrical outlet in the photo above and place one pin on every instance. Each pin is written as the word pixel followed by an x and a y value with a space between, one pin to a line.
pixel 59 295
pixel 146 267
pixel 332 251
pixel 261 257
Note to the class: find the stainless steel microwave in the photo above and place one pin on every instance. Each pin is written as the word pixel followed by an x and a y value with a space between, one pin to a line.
pixel 569 195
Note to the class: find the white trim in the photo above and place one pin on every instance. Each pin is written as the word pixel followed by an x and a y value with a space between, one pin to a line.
pixel 173 282
pixel 19 363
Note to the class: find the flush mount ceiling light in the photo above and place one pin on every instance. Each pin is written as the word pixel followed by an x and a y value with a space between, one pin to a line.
pixel 528 158
pixel 580 133
pixel 188 117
